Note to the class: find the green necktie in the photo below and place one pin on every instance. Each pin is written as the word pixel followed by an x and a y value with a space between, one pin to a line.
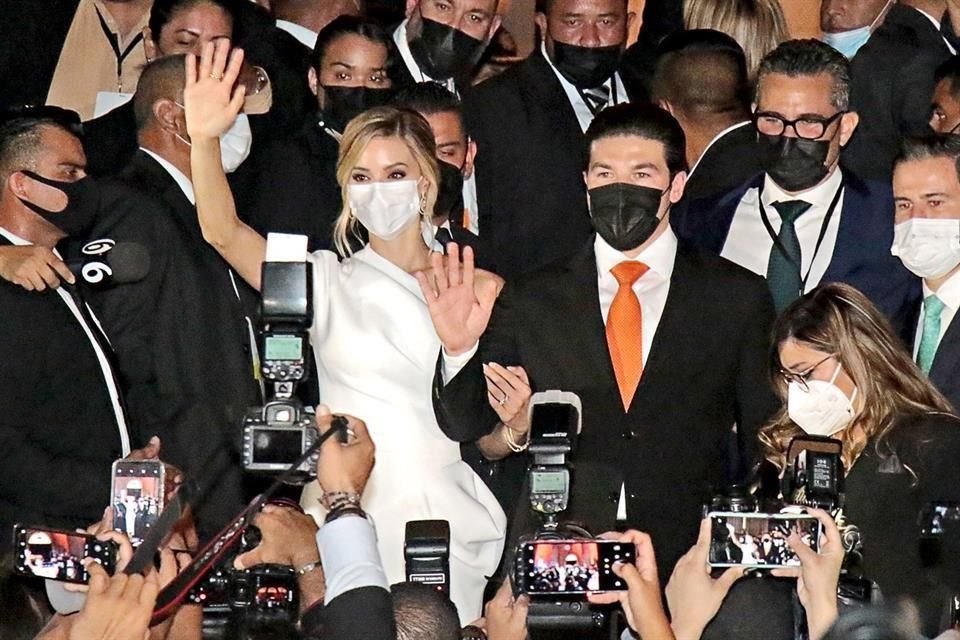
pixel 932 310
pixel 783 267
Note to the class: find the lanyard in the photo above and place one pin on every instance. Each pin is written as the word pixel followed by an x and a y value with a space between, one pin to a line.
pixel 823 232
pixel 114 40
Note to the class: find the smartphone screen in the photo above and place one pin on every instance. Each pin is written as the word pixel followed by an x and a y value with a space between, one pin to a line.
pixel 759 540
pixel 939 517
pixel 57 554
pixel 572 566
pixel 137 497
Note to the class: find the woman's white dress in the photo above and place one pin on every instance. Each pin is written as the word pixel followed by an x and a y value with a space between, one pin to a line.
pixel 376 352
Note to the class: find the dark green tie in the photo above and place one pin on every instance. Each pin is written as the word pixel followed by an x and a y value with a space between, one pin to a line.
pixel 783 268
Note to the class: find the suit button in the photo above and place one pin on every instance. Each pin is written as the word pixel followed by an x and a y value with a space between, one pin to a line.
pixel 629 434
pixel 614 497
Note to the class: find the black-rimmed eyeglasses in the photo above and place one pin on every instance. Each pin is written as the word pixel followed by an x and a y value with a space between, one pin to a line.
pixel 808 127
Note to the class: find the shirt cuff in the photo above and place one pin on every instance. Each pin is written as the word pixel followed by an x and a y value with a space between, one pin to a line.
pixel 348 551
pixel 453 364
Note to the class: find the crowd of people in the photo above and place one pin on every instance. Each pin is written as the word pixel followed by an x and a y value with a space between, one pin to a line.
pixel 719 237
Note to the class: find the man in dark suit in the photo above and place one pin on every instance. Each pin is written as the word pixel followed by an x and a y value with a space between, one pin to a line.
pixel 926 190
pixel 444 43
pixel 529 122
pixel 62 421
pixel 892 74
pixel 715 115
pixel 806 220
pixel 945 102
pixel 623 324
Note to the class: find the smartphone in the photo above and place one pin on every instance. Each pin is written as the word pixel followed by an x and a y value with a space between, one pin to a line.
pixel 937 518
pixel 570 567
pixel 56 554
pixel 759 540
pixel 137 499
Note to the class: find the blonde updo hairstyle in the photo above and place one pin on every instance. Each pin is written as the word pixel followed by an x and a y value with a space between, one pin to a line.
pixel 383 122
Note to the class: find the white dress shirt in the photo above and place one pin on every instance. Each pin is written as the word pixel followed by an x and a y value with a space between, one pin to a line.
pixel 400 37
pixel 732 127
pixel 307 37
pixel 470 206
pixel 349 555
pixel 178 176
pixel 949 294
pixel 748 243
pixel 429 233
pixel 105 369
pixel 617 93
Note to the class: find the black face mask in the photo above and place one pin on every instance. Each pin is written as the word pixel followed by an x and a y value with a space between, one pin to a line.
pixel 625 215
pixel 83 203
pixel 794 164
pixel 444 52
pixel 343 104
pixel 586 67
pixel 450 194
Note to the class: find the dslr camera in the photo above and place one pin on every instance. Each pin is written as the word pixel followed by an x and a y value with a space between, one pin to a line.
pixel 280 431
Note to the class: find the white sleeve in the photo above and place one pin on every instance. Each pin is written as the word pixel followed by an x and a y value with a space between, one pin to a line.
pixel 453 364
pixel 349 555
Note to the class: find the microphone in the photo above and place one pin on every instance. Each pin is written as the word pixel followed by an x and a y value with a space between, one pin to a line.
pixel 106 263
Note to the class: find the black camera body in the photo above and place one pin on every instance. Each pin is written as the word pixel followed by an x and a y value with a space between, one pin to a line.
pixel 264 587
pixel 280 431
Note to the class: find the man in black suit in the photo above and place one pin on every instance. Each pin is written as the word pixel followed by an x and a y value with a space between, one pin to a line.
pixel 529 122
pixel 62 421
pixel 443 42
pixel 945 103
pixel 926 189
pixel 892 74
pixel 665 345
pixel 715 115
pixel 806 219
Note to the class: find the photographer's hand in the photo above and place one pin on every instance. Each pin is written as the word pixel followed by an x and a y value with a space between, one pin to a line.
pixel 117 608
pixel 818 574
pixel 344 467
pixel 692 595
pixel 641 603
pixel 505 617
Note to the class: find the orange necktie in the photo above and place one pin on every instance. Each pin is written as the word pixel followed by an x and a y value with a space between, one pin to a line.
pixel 625 330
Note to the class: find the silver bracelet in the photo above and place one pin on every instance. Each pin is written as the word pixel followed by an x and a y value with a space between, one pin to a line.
pixel 307 568
pixel 511 443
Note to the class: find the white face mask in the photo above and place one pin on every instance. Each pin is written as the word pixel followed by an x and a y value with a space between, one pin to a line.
pixel 385 208
pixel 234 144
pixel 929 247
pixel 823 409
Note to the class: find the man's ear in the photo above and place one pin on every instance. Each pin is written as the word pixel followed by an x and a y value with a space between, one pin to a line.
pixel 471 158
pixel 16 182
pixel 848 124
pixel 541 21
pixel 494 25
pixel 677 185
pixel 666 106
pixel 411 5
pixel 169 115
pixel 312 80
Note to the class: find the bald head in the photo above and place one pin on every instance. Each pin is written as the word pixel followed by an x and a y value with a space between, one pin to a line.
pixel 315 14
pixel 162 79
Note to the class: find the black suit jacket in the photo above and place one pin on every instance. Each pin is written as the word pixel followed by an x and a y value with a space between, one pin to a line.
pixel 58 431
pixel 891 85
pixel 180 335
pixel 531 154
pixel 729 162
pixel 361 614
pixel 707 369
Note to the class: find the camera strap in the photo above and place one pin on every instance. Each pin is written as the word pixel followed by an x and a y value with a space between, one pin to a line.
pixel 170 597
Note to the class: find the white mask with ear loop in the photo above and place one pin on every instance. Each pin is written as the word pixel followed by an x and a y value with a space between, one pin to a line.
pixel 822 409
pixel 235 143
pixel 385 208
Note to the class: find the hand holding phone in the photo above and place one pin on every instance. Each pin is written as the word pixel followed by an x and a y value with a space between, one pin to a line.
pixel 571 567
pixel 137 496
pixel 58 554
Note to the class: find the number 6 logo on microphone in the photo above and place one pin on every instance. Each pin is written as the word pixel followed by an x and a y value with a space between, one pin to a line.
pixel 95 272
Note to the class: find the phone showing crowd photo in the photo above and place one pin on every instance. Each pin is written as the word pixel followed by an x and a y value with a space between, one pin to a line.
pixel 57 554
pixel 759 540
pixel 571 567
pixel 137 498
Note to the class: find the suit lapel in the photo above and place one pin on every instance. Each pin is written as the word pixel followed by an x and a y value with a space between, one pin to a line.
pixel 545 93
pixel 948 352
pixel 856 236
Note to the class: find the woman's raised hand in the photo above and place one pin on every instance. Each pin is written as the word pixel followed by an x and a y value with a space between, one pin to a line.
pixel 212 97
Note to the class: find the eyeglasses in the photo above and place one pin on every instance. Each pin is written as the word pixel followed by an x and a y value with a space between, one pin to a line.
pixel 802 377
pixel 66 118
pixel 808 128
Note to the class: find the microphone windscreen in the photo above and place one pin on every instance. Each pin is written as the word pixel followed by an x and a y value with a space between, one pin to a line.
pixel 130 262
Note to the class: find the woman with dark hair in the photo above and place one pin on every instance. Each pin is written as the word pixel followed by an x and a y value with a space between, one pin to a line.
pixel 841 372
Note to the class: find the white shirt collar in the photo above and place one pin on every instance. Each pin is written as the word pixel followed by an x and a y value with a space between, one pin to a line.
pixel 949 292
pixel 182 181
pixel 306 36
pixel 929 17
pixel 659 256
pixel 403 46
pixel 710 144
pixel 819 196
pixel 14 238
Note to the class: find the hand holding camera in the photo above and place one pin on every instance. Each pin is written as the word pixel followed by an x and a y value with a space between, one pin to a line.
pixel 505 617
pixel 287 536
pixel 344 466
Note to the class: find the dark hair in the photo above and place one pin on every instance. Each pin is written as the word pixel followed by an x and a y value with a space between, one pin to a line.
pixel 949 70
pixel 20 130
pixel 353 25
pixel 545 6
pixel 163 11
pixel 644 121
pixel 685 58
pixel 423 613
pixel 23 603
pixel 428 98
pixel 940 145
pixel 795 58
pixel 164 77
